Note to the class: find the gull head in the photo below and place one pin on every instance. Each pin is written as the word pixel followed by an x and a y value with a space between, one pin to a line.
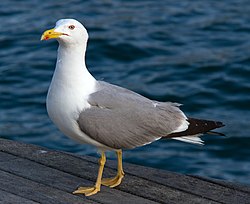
pixel 67 32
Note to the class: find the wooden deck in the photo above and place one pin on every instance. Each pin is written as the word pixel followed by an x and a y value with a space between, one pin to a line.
pixel 33 174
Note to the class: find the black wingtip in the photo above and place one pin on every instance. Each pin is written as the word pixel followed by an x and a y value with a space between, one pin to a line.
pixel 216 133
pixel 199 126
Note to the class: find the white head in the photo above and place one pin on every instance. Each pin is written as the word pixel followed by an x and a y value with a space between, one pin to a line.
pixel 68 32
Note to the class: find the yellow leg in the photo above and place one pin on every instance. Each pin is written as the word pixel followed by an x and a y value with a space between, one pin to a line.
pixel 88 191
pixel 113 182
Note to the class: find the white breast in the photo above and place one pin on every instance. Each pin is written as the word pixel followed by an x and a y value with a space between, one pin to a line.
pixel 64 106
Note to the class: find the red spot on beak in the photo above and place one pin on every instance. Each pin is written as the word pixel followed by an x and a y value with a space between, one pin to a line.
pixel 46 38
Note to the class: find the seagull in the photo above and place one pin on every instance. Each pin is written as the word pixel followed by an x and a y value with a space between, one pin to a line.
pixel 107 116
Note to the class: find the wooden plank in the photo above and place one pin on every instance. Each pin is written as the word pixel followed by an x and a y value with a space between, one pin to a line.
pixel 87 170
pixel 9 198
pixel 152 184
pixel 60 180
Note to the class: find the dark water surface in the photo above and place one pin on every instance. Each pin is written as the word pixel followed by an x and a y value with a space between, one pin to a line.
pixel 192 52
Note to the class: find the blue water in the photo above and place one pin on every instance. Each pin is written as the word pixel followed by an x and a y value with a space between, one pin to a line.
pixel 192 52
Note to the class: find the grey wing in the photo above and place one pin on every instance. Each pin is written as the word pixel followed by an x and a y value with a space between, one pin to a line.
pixel 122 119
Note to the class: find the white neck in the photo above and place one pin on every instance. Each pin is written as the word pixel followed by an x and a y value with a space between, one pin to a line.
pixel 71 83
pixel 71 67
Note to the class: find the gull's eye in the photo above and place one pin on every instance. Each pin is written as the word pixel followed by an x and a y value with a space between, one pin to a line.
pixel 71 27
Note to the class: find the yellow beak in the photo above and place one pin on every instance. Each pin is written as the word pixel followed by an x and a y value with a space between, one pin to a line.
pixel 49 34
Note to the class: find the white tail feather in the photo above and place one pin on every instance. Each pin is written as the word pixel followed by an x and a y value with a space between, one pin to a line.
pixel 194 139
